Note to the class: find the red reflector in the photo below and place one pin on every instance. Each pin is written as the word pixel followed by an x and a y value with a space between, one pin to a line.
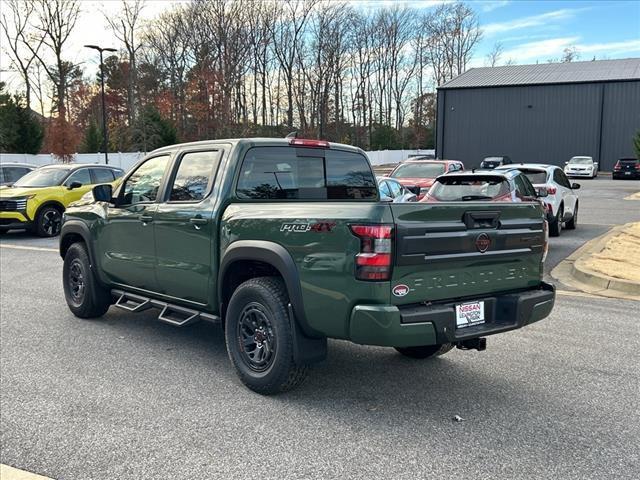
pixel 303 142
pixel 372 231
pixel 374 259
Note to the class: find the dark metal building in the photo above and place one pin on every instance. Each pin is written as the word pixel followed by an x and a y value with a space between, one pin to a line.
pixel 543 113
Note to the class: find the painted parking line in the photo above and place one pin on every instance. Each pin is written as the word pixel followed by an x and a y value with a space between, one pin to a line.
pixel 26 247
pixel 10 473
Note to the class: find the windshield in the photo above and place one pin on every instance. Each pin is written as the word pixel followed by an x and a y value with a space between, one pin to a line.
pixel 43 177
pixel 535 176
pixel 580 160
pixel 418 170
pixel 455 189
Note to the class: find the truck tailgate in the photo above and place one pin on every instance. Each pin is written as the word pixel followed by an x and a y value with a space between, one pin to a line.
pixel 465 249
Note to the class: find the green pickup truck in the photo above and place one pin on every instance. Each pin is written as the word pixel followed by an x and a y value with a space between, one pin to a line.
pixel 286 243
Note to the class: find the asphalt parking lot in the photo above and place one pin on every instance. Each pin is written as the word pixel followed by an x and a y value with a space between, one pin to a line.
pixel 129 397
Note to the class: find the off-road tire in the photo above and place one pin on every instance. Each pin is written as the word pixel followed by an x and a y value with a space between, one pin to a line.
pixel 555 225
pixel 573 223
pixel 425 351
pixel 85 296
pixel 265 300
pixel 48 221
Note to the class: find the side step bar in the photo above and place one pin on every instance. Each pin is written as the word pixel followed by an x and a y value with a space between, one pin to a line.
pixel 172 314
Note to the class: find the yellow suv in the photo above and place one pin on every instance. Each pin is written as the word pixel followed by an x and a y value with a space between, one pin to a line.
pixel 36 201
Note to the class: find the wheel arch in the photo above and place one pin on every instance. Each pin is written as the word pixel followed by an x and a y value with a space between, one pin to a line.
pixel 268 258
pixel 73 232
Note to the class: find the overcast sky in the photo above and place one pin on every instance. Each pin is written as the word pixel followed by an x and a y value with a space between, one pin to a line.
pixel 529 31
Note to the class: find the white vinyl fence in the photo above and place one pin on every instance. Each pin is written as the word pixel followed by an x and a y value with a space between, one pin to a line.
pixel 128 159
pixel 117 159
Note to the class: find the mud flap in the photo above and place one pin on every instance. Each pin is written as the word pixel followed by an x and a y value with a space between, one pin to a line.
pixel 306 350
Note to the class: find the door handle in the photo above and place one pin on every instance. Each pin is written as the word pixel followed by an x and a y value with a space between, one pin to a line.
pixel 197 222
pixel 145 218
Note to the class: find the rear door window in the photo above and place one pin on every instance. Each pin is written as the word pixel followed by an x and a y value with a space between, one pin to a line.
pixel 270 173
pixel 102 175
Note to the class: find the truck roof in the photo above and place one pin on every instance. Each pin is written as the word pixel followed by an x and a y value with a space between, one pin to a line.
pixel 264 141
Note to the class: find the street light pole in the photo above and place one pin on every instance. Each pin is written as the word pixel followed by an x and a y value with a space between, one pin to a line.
pixel 104 109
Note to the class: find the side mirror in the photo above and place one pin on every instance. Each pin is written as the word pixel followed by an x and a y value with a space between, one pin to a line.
pixel 542 192
pixel 102 193
pixel 385 198
pixel 73 185
pixel 566 163
pixel 575 186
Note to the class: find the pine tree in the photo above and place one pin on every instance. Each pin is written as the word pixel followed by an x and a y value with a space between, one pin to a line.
pixel 151 131
pixel 92 141
pixel 636 144
pixel 20 131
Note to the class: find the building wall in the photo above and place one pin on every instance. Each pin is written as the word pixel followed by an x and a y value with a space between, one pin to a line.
pixel 541 123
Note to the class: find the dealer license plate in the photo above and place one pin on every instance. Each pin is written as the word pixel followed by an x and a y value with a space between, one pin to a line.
pixel 469 314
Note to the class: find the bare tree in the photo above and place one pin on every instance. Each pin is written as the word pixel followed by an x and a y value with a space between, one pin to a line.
pixel 125 28
pixel 22 41
pixel 570 54
pixel 287 32
pixel 493 57
pixel 453 32
pixel 56 20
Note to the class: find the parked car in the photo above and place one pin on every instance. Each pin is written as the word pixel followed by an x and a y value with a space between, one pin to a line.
pixel 490 185
pixel 37 201
pixel 422 156
pixel 418 175
pixel 581 167
pixel 392 190
pixel 286 243
pixel 12 172
pixel 561 202
pixel 626 168
pixel 494 162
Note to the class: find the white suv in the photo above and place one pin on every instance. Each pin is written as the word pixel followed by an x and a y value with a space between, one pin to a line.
pixel 581 167
pixel 561 202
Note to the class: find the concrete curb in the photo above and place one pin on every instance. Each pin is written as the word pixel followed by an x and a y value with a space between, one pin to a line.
pixel 11 473
pixel 573 272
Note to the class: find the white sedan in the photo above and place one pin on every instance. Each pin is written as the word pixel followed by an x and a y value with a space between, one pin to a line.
pixel 581 167
pixel 561 202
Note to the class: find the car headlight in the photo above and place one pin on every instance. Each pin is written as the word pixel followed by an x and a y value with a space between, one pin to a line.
pixel 20 203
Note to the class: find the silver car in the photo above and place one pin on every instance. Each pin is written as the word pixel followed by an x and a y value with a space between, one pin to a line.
pixel 393 191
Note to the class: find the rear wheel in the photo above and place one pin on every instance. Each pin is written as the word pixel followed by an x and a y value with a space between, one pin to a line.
pixel 85 297
pixel 48 221
pixel 425 351
pixel 571 224
pixel 259 337
pixel 555 226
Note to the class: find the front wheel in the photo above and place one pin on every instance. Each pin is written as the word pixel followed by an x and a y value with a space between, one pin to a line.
pixel 425 351
pixel 85 297
pixel 259 337
pixel 48 222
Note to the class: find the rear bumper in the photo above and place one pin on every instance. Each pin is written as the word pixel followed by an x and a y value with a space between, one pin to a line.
pixel 626 174
pixel 392 326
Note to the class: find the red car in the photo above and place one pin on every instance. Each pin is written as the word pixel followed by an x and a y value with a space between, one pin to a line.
pixel 419 175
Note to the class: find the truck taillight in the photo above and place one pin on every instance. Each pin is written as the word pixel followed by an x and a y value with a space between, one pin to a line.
pixel 545 248
pixel 374 260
